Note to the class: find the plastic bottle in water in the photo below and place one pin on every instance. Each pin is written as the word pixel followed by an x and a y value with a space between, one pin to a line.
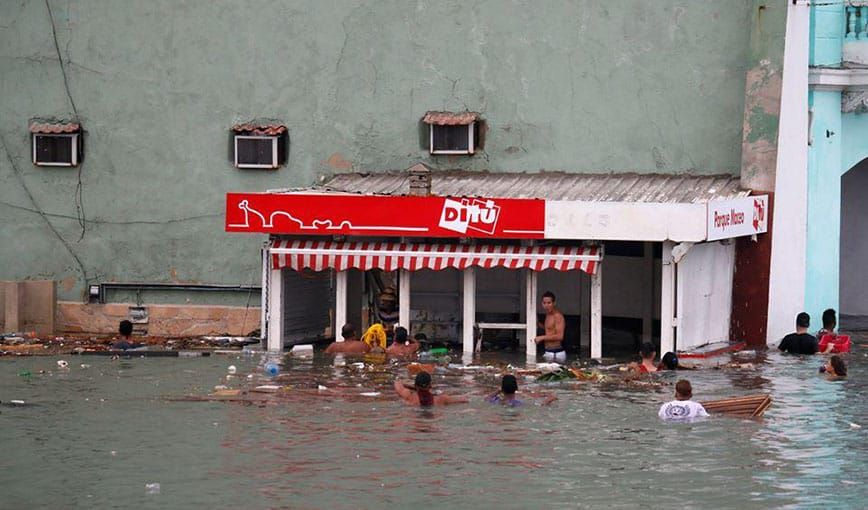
pixel 272 369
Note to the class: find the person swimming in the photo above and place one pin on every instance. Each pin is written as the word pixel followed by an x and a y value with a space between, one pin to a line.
pixel 647 353
pixel 421 394
pixel 835 367
pixel 506 395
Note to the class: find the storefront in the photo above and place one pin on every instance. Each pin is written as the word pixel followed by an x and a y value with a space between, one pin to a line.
pixel 478 242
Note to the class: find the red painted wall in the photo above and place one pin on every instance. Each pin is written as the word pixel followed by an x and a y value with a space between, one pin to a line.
pixel 750 286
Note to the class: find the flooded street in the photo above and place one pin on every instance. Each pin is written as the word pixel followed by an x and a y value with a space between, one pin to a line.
pixel 115 434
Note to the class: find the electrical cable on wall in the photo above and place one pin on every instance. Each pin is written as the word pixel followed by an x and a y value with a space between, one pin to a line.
pixel 79 188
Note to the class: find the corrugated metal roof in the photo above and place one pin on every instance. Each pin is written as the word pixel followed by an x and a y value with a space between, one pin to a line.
pixel 450 118
pixel 616 187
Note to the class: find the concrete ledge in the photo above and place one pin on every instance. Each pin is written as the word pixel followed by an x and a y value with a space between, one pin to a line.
pixel 164 320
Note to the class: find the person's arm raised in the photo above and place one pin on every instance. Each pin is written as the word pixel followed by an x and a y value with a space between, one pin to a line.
pixel 402 390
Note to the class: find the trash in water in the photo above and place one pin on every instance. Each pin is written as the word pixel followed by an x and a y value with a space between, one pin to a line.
pixel 152 488
pixel 302 350
pixel 320 387
pixel 226 393
pixel 267 388
pixel 250 376
pixel 24 373
pixel 370 394
pixel 231 369
pixel 17 402
pixel 62 363
pixel 547 368
pixel 220 387
pixel 855 426
pixel 85 365
pixel 272 369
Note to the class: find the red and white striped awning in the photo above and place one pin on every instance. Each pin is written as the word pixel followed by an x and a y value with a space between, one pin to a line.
pixel 321 255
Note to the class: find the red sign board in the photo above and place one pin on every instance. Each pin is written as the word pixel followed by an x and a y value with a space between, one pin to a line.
pixel 404 216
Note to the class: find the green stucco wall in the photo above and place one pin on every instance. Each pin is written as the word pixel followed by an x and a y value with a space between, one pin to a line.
pixel 579 86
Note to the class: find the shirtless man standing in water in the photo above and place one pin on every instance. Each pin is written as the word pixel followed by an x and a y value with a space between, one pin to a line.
pixel 554 326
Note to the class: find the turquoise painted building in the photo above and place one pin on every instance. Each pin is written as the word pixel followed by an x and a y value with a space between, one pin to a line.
pixel 836 275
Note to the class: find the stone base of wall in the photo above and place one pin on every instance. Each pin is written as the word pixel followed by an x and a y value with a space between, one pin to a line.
pixel 163 320
pixel 28 306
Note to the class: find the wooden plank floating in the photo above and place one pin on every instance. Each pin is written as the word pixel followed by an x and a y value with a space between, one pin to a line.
pixel 749 406
pixel 147 354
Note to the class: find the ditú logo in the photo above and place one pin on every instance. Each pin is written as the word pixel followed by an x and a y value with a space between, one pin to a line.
pixel 759 213
pixel 469 214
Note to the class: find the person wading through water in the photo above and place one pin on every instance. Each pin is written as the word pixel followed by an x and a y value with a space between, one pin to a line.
pixel 422 395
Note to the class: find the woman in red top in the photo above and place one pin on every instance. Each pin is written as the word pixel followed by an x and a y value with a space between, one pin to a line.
pixel 648 352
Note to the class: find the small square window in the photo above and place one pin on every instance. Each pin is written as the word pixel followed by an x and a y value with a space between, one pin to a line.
pixel 55 144
pixel 256 151
pixel 452 139
pixel 452 133
pixel 259 146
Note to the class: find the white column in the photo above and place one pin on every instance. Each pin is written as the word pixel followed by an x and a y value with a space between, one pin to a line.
pixel 648 296
pixel 275 311
pixel 667 300
pixel 340 303
pixel 787 275
pixel 530 314
pixel 597 313
pixel 263 294
pixel 469 302
pixel 404 298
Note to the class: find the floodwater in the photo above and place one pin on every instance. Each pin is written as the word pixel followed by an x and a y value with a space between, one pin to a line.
pixel 110 435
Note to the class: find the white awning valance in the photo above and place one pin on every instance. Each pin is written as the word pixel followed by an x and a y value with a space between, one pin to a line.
pixel 321 255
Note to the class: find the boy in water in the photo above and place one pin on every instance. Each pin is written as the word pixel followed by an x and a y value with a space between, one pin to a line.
pixel 508 389
pixel 125 328
pixel 682 408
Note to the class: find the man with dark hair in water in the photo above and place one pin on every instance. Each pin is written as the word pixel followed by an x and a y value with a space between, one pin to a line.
pixel 554 330
pixel 351 343
pixel 682 408
pixel 506 395
pixel 421 394
pixel 800 342
pixel 508 389
pixel 125 328
pixel 403 345
pixel 830 322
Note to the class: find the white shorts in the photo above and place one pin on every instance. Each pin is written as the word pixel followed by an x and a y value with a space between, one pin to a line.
pixel 559 355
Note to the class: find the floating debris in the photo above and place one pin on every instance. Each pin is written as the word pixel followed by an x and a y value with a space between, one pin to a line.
pixel 751 406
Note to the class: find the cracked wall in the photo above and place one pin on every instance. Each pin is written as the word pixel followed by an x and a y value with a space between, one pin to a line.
pixel 589 86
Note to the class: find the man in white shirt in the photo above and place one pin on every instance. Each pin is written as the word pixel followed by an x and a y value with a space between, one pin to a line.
pixel 682 408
